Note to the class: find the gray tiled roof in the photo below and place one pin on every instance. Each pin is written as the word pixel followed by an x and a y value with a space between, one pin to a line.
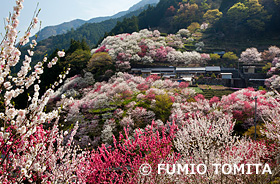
pixel 191 69
pixel 213 69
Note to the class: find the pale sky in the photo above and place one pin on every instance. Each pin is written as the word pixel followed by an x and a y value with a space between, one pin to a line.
pixel 54 12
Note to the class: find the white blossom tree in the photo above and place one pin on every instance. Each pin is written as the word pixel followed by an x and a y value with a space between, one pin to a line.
pixel 29 153
pixel 250 56
pixel 208 140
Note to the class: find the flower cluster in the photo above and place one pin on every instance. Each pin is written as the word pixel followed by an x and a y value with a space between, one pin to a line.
pixel 274 80
pixel 29 153
pixel 35 150
pixel 250 56
pixel 148 46
pixel 240 104
pixel 125 100
pixel 208 140
pixel 121 162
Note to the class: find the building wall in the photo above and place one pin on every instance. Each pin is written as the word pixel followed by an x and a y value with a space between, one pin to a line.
pixel 211 81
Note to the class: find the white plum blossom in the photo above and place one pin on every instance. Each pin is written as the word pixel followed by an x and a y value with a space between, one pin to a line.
pixel 184 32
pixel 204 26
pixel 250 56
pixel 107 134
pixel 274 51
pixel 21 125
pixel 61 54
pixel 191 57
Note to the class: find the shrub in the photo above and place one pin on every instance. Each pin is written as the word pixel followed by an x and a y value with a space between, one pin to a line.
pixel 215 57
pixel 163 106
pixel 100 61
pixel 193 27
pixel 230 56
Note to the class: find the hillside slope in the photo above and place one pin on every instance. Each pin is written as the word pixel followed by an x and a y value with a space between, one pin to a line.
pixel 235 25
pixel 90 32
pixel 74 24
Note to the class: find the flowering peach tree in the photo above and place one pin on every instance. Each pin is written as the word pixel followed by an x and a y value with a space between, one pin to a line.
pixel 149 46
pixel 122 122
pixel 29 152
pixel 121 162
pixel 274 71
pixel 105 108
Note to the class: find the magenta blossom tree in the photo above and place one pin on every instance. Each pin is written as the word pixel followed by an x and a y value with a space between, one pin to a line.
pixel 122 162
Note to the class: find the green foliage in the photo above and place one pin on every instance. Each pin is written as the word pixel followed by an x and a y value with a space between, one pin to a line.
pixel 226 4
pixel 212 16
pixel 76 44
pixel 193 27
pixel 215 57
pixel 99 60
pixel 251 132
pixel 76 57
pixel 197 89
pixel 154 16
pixel 256 24
pixel 266 67
pixel 238 12
pixel 250 12
pixel 230 56
pixel 99 63
pixel 204 5
pixel 128 25
pixel 188 15
pixel 261 88
pixel 210 93
pixel 128 100
pixel 162 107
pixel 144 103
pixel 100 111
pixel 77 60
pixel 90 32
pixel 150 17
pixel 276 180
pixel 213 76
pixel 253 21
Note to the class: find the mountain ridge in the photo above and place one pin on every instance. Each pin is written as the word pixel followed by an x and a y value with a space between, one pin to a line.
pixel 89 32
pixel 64 27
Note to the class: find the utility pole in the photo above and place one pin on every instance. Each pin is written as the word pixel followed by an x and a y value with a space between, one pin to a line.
pixel 256 117
pixel 238 68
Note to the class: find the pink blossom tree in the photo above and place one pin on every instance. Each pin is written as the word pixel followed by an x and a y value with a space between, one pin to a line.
pixel 274 80
pixel 147 46
pixel 122 162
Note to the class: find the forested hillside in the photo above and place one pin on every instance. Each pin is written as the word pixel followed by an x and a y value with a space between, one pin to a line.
pixel 74 24
pixel 91 32
pixel 231 25
pixel 239 23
